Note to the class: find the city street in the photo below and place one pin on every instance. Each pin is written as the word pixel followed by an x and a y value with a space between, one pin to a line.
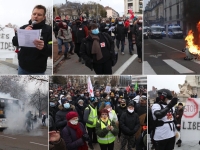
pixel 165 56
pixel 26 141
pixel 126 64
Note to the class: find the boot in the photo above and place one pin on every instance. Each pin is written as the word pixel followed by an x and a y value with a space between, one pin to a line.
pixel 79 59
pixel 82 61
pixel 179 143
pixel 66 56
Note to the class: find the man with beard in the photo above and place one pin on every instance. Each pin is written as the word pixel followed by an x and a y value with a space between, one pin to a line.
pixel 90 118
pixel 33 60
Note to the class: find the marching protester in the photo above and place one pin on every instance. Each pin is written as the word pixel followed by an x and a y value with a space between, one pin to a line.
pixel 163 115
pixel 130 37
pixel 79 31
pixel 33 60
pixel 90 118
pixel 138 38
pixel 64 36
pixel 129 123
pixel 97 50
pixel 106 131
pixel 74 133
pixel 121 32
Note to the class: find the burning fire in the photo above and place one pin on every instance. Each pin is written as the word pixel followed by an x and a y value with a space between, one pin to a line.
pixel 194 49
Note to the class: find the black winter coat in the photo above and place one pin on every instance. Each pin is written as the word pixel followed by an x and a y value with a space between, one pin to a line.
pixel 129 123
pixel 120 32
pixel 61 120
pixel 138 34
pixel 30 58
pixel 86 50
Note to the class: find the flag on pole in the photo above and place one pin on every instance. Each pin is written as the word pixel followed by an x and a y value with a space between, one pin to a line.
pixel 136 86
pixel 90 88
pixel 131 14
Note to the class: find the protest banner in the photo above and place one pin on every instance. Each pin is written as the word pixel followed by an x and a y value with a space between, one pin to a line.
pixel 190 123
pixel 7 50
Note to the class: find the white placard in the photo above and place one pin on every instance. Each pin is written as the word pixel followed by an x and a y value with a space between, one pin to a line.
pixel 190 123
pixel 6 47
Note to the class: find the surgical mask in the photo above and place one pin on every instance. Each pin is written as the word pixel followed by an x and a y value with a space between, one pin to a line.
pixel 84 20
pixel 67 105
pixel 140 21
pixel 95 31
pixel 107 98
pixel 107 24
pixel 74 122
pixel 120 22
pixel 82 94
pixel 131 111
pixel 131 23
pixel 52 104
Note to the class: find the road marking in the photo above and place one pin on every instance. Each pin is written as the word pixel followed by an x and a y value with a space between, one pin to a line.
pixel 196 61
pixel 8 137
pixel 148 70
pixel 156 56
pixel 125 65
pixel 38 144
pixel 169 47
pixel 178 67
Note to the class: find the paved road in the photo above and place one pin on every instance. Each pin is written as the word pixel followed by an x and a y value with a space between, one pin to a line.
pixel 35 140
pixel 126 64
pixel 9 67
pixel 164 56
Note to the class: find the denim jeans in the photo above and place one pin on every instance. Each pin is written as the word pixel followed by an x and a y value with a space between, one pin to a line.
pixel 130 41
pixel 122 44
pixel 66 47
pixel 24 72
pixel 71 46
pixel 59 45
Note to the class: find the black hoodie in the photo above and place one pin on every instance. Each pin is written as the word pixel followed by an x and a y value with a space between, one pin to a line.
pixel 32 59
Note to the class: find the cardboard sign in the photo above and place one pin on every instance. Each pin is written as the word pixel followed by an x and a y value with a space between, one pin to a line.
pixel 190 123
pixel 6 47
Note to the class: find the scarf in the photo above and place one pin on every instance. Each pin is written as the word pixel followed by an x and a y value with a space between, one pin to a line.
pixel 96 49
pixel 104 120
pixel 79 134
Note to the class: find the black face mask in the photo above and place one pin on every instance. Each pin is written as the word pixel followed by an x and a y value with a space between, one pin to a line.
pixel 78 23
pixel 123 105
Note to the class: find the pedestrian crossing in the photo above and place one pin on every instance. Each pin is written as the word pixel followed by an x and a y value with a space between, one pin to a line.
pixel 171 66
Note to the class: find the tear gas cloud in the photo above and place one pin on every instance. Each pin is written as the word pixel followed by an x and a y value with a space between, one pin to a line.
pixel 16 117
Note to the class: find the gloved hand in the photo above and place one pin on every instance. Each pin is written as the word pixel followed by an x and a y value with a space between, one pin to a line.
pixel 85 137
pixel 173 102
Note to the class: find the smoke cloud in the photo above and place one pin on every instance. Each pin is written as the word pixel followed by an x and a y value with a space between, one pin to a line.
pixel 16 117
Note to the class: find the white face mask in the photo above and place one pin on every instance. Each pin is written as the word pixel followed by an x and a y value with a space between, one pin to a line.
pixel 131 23
pixel 74 122
pixel 131 111
pixel 140 21
pixel 109 109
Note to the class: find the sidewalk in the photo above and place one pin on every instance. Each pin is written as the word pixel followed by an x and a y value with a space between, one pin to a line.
pixel 9 67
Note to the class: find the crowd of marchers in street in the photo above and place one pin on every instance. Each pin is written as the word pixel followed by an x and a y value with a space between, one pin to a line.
pixel 79 120
pixel 94 40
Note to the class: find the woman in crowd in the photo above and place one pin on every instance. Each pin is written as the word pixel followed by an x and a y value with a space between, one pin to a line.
pixel 74 133
pixel 106 131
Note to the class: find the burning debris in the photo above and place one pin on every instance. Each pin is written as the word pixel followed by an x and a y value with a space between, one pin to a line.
pixel 192 51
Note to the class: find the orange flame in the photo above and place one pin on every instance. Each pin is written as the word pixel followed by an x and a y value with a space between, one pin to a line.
pixel 194 49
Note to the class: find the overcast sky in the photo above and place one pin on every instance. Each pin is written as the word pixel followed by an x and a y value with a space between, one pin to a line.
pixel 117 5
pixel 145 2
pixel 165 81
pixel 19 11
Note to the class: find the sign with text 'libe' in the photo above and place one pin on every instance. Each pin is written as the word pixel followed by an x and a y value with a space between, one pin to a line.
pixel 190 123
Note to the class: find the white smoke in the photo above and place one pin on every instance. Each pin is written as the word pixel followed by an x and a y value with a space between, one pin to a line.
pixel 16 118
